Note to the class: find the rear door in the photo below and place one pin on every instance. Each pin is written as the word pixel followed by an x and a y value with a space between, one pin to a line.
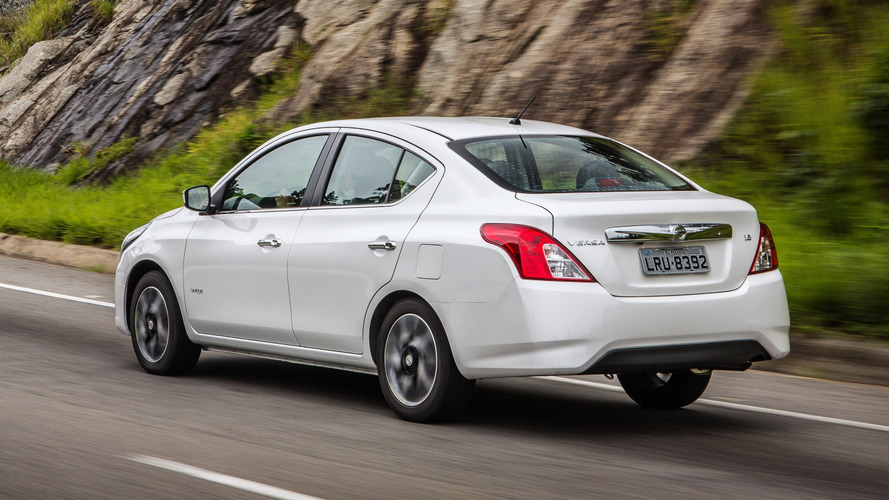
pixel 348 244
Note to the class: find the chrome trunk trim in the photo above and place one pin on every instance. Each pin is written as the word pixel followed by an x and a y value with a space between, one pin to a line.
pixel 668 232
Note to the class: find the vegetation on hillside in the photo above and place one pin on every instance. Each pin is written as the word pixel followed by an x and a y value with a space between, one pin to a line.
pixel 41 20
pixel 103 10
pixel 56 207
pixel 37 22
pixel 809 150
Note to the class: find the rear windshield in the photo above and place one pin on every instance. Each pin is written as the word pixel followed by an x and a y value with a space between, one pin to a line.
pixel 559 164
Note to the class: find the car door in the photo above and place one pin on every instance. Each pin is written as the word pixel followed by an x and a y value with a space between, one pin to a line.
pixel 348 244
pixel 236 259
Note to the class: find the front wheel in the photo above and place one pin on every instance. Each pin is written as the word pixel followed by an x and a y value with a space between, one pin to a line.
pixel 417 373
pixel 159 339
pixel 664 390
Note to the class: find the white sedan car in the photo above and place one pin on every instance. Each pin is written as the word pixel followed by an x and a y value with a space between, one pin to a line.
pixel 437 251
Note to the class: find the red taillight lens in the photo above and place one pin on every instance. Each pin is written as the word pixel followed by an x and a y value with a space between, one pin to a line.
pixel 536 254
pixel 766 256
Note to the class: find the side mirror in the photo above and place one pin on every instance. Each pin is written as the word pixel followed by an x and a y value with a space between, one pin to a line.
pixel 197 198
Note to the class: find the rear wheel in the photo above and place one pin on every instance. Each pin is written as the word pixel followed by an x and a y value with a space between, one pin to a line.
pixel 159 339
pixel 417 373
pixel 664 390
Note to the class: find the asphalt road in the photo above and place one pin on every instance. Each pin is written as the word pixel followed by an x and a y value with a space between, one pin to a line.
pixel 80 419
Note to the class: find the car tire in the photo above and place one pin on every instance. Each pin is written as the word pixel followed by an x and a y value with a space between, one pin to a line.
pixel 159 339
pixel 416 370
pixel 664 390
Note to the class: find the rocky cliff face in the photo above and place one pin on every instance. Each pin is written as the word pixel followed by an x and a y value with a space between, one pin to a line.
pixel 163 68
pixel 157 72
pixel 9 6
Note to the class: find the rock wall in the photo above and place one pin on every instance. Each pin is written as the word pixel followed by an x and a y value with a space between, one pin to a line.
pixel 159 71
pixel 163 68
pixel 591 63
pixel 10 6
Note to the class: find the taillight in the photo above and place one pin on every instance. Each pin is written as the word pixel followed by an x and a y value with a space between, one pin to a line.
pixel 536 254
pixel 766 256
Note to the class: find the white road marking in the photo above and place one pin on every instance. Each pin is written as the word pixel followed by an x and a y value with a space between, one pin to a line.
pixel 597 385
pixel 727 398
pixel 223 479
pixel 736 406
pixel 56 295
pixel 793 414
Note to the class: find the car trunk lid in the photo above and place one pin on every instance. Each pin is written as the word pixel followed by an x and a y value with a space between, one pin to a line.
pixel 630 241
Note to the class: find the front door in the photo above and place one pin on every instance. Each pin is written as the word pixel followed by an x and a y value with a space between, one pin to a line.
pixel 236 259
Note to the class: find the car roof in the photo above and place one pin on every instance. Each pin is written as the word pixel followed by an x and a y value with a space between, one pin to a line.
pixel 457 128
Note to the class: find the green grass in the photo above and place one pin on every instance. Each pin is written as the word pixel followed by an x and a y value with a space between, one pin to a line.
pixel 437 16
pixel 666 28
pixel 834 281
pixel 40 21
pixel 103 9
pixel 55 207
pixel 810 151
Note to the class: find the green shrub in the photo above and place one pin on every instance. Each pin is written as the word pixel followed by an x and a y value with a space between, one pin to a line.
pixel 103 9
pixel 56 207
pixel 809 150
pixel 39 21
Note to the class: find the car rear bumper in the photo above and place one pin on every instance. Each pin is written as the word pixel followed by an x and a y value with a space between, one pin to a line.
pixel 549 328
pixel 729 355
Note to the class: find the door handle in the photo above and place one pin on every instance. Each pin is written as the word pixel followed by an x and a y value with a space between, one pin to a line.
pixel 274 243
pixel 387 245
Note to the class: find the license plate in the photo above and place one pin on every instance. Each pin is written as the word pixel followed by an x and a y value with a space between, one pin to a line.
pixel 674 260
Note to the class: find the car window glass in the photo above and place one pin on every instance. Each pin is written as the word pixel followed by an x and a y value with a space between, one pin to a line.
pixel 566 164
pixel 503 159
pixel 411 173
pixel 362 173
pixel 276 180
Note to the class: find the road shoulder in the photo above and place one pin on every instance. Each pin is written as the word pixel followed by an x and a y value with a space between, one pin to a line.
pixel 53 252
pixel 857 360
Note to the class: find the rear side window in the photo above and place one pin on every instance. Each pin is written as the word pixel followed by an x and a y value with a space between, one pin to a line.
pixel 544 164
pixel 370 172
pixel 411 172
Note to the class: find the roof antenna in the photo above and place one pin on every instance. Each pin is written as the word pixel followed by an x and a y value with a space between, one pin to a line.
pixel 518 119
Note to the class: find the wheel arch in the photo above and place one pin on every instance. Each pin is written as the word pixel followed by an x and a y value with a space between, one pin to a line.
pixel 382 308
pixel 139 270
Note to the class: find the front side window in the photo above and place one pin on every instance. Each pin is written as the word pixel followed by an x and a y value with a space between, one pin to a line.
pixel 370 172
pixel 543 164
pixel 276 180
